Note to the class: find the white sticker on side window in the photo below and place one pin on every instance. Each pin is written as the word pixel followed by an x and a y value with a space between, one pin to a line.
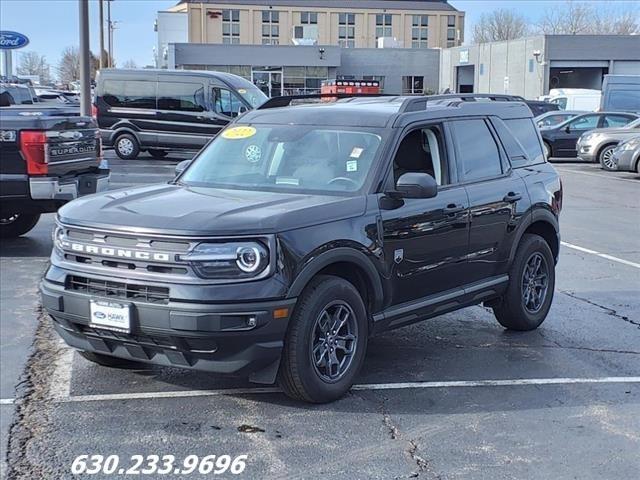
pixel 352 166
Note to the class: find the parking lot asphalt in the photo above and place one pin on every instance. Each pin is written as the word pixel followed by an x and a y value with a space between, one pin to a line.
pixel 454 397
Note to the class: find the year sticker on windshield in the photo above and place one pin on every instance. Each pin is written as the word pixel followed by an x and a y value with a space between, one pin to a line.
pixel 238 133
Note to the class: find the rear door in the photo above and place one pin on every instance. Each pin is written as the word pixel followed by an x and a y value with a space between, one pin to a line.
pixel 568 135
pixel 183 119
pixel 498 198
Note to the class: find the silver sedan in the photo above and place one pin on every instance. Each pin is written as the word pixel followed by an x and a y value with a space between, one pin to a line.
pixel 598 145
pixel 626 156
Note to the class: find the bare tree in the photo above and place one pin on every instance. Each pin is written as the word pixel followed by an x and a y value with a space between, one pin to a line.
pixel 69 66
pixel 130 64
pixel 32 63
pixel 579 18
pixel 501 24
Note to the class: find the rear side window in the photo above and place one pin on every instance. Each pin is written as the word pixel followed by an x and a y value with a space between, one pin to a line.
pixel 180 96
pixel 615 121
pixel 526 133
pixel 477 152
pixel 130 94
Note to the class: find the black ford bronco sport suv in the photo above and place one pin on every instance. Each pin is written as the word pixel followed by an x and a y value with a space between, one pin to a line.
pixel 298 232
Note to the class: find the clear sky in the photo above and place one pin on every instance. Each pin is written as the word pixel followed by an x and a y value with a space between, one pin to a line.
pixel 52 25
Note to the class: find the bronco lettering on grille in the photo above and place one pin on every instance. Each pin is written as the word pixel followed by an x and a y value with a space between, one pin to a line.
pixel 116 252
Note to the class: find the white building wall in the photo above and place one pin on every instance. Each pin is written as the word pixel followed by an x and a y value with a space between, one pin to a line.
pixel 171 27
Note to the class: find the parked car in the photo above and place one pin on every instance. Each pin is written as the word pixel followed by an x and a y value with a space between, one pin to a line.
pixel 561 140
pixel 538 107
pixel 300 231
pixel 162 110
pixel 14 94
pixel 598 145
pixel 575 98
pixel 626 155
pixel 49 156
pixel 553 118
pixel 621 93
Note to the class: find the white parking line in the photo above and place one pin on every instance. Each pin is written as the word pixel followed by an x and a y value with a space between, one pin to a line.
pixel 601 255
pixel 590 174
pixel 372 386
pixel 6 401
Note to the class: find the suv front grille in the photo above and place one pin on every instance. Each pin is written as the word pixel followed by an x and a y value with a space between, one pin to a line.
pixel 121 290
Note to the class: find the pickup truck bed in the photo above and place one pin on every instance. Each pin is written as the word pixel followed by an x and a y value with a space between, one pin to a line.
pixel 48 156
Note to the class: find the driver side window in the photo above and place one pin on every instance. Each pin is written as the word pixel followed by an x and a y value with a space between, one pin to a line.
pixel 422 150
pixel 225 102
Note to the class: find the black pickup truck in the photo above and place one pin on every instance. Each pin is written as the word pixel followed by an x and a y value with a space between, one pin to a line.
pixel 48 156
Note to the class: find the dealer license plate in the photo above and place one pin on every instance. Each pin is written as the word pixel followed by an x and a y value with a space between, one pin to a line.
pixel 110 316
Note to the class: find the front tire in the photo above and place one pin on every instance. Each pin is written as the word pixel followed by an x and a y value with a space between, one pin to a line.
pixel 547 149
pixel 127 146
pixel 13 225
pixel 606 158
pixel 326 341
pixel 532 279
pixel 107 361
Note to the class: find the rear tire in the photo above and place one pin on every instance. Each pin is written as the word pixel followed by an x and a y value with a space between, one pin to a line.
pixel 107 361
pixel 326 341
pixel 528 298
pixel 126 146
pixel 157 153
pixel 605 157
pixel 13 225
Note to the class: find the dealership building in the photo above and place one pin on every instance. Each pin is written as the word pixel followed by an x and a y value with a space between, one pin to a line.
pixel 414 47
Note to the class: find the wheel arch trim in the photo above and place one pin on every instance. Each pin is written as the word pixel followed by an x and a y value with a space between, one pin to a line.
pixel 538 215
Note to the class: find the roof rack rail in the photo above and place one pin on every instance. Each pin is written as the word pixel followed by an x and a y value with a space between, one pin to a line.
pixel 415 104
pixel 286 100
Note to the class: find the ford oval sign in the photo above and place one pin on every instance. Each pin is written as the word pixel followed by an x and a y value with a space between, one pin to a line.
pixel 12 40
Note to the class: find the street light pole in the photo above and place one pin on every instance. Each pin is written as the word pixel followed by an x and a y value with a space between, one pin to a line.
pixel 85 70
pixel 101 57
pixel 109 45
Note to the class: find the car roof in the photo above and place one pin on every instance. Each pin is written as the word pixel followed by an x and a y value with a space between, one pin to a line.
pixel 124 72
pixel 384 111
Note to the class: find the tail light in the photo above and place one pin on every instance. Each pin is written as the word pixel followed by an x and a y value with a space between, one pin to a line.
pixel 33 145
pixel 94 111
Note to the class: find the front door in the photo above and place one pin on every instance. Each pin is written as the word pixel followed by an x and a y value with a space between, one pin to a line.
pixel 569 134
pixel 425 240
pixel 269 81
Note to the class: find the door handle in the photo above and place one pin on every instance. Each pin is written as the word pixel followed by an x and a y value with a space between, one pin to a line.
pixel 512 197
pixel 452 209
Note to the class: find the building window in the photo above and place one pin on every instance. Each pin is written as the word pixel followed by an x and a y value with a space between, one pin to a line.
pixel 482 69
pixel 420 31
pixel 230 26
pixel 304 80
pixel 347 30
pixel 270 27
pixel 451 30
pixel 412 85
pixel 531 65
pixel 384 25
pixel 308 18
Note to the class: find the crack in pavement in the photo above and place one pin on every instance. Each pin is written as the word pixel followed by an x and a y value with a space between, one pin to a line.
pixel 609 310
pixel 424 465
pixel 31 416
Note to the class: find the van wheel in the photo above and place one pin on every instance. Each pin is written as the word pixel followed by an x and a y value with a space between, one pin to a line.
pixel 325 343
pixel 532 279
pixel 127 147
pixel 13 225
pixel 107 361
pixel 606 158
pixel 157 153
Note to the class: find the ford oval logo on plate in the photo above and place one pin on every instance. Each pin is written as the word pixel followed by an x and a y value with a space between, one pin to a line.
pixel 12 40
pixel 100 315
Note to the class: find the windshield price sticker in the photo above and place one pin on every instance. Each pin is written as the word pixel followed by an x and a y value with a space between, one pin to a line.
pixel 159 465
pixel 238 133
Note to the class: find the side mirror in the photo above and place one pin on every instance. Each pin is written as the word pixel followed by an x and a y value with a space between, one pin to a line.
pixel 567 129
pixel 242 110
pixel 181 167
pixel 417 185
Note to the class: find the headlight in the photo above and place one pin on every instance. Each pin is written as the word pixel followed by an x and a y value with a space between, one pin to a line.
pixel 233 260
pixel 58 237
pixel 586 138
pixel 630 145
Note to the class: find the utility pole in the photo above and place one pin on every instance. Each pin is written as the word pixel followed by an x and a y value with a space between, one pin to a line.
pixel 101 63
pixel 109 35
pixel 85 70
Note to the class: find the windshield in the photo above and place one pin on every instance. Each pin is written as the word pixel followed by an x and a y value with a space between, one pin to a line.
pixel 287 158
pixel 634 124
pixel 253 95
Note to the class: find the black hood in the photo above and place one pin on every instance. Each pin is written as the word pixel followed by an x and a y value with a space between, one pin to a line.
pixel 181 210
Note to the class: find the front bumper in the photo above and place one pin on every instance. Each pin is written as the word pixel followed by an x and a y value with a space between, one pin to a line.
pixel 586 152
pixel 242 338
pixel 60 189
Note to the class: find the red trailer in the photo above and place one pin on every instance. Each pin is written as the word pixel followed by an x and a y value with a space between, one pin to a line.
pixel 351 86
